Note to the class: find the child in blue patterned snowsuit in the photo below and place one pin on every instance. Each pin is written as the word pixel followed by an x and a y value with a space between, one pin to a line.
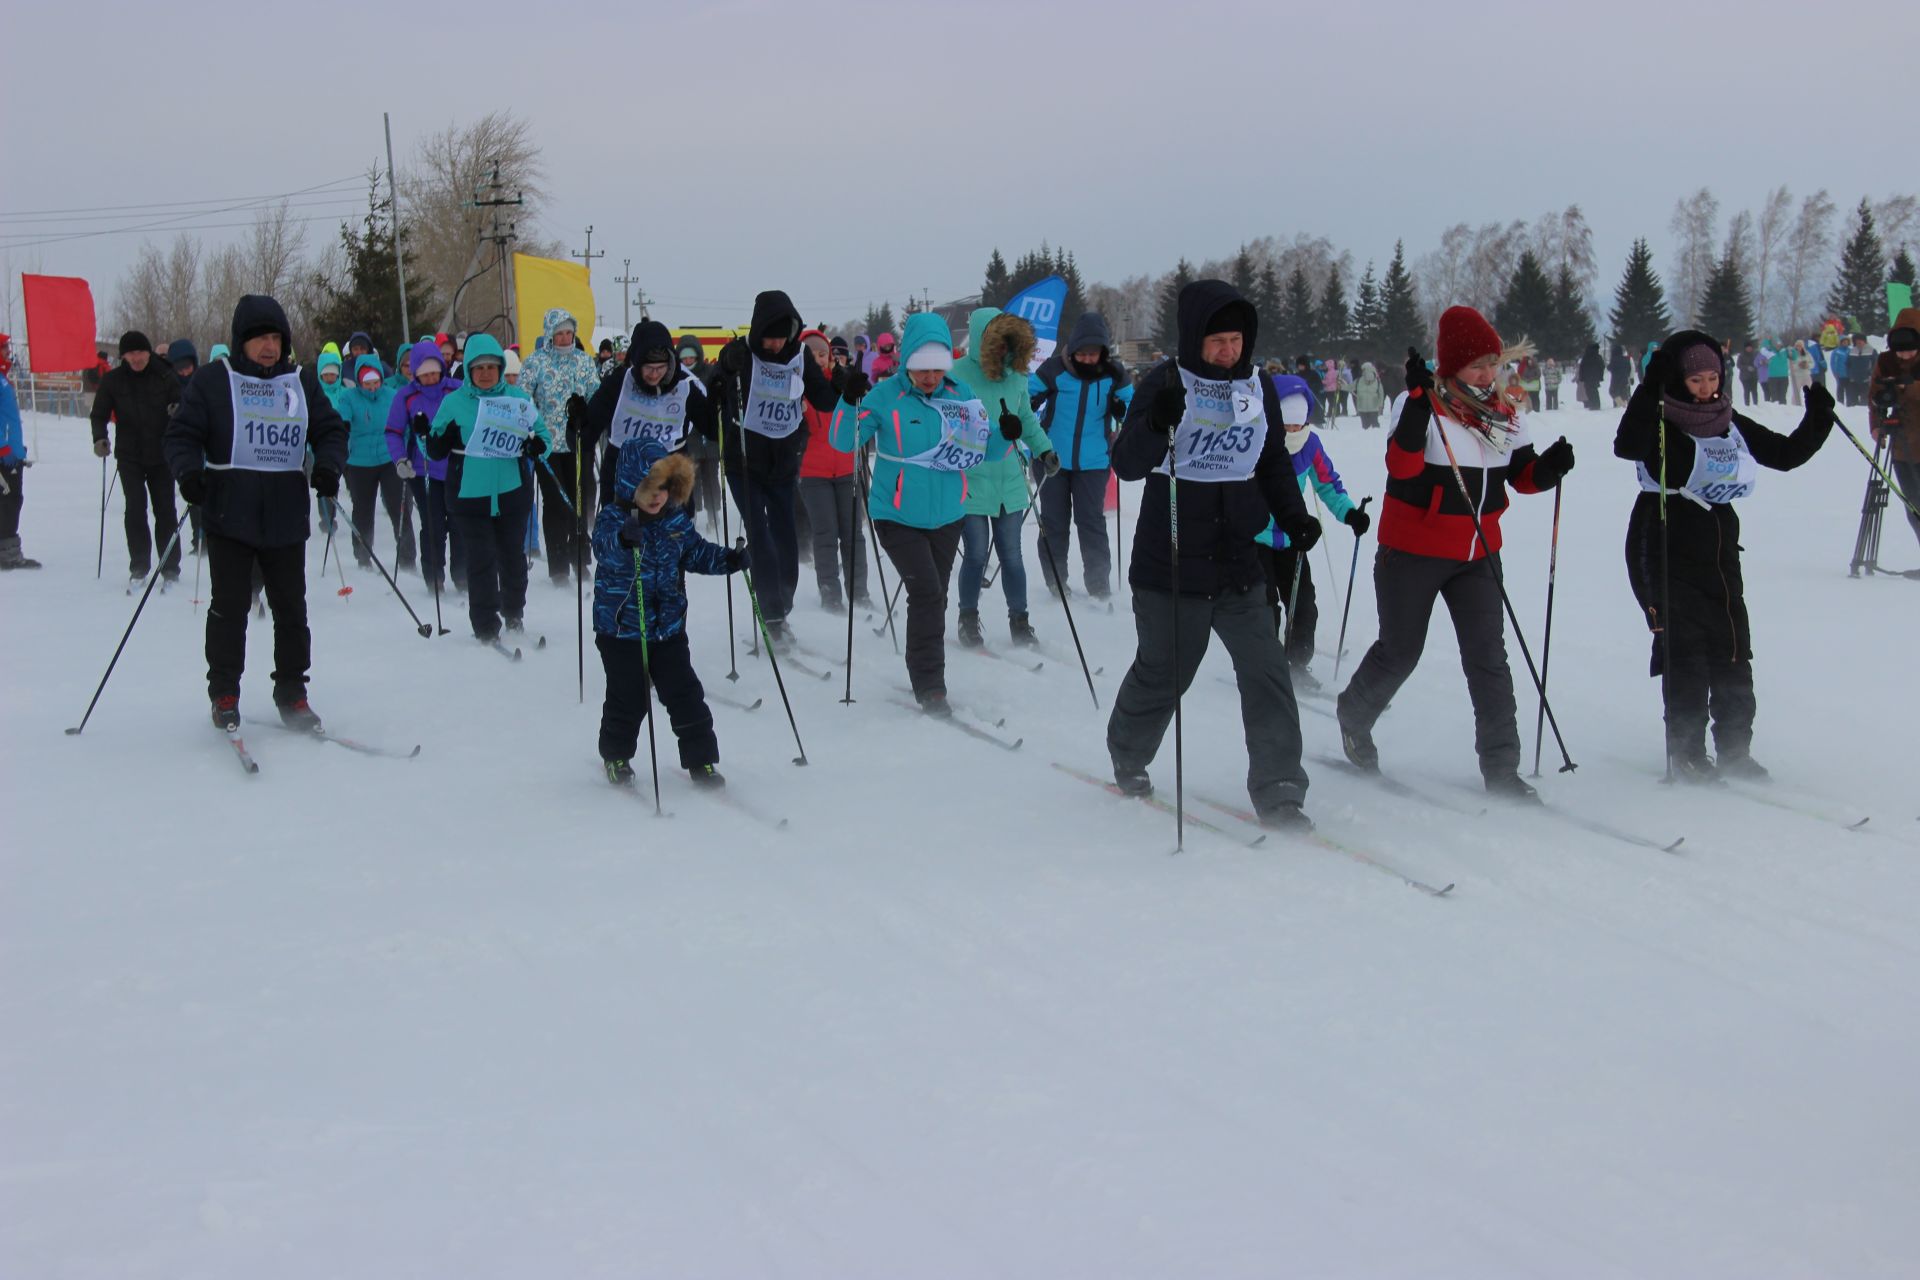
pixel 644 544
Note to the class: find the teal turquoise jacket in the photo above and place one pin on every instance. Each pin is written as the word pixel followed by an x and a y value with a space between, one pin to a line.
pixel 366 417
pixel 903 423
pixel 482 477
pixel 999 485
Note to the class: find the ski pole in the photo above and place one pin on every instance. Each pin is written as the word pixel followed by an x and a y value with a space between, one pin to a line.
pixel 1567 765
pixel 100 560
pixel 1884 476
pixel 646 674
pixel 580 567
pixel 152 580
pixel 750 517
pixel 1346 609
pixel 746 576
pixel 332 520
pixel 850 550
pixel 1546 641
pixel 426 631
pixel 199 558
pixel 1173 538
pixel 1666 601
pixel 726 536
pixel 880 567
pixel 1326 548
pixel 1033 499
pixel 1293 598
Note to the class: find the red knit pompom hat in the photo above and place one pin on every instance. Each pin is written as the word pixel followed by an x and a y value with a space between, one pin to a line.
pixel 1465 336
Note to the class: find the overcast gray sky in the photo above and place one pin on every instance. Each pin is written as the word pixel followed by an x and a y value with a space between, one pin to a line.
pixel 851 151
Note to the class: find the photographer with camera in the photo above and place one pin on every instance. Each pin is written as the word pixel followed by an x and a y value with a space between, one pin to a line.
pixel 1894 397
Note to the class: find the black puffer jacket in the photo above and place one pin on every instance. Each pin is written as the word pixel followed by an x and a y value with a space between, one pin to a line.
pixel 260 508
pixel 140 405
pixel 765 461
pixel 1218 522
pixel 648 335
pixel 1708 608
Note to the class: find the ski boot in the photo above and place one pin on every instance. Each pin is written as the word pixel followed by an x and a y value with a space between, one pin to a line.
pixel 934 703
pixel 10 557
pixel 780 635
pixel 1742 767
pixel 296 714
pixel 619 772
pixel 1132 780
pixel 970 635
pixel 1511 786
pixel 1287 818
pixel 1022 631
pixel 1357 745
pixel 1304 681
pixel 707 777
pixel 1694 769
pixel 226 714
pixel 832 601
pixel 516 625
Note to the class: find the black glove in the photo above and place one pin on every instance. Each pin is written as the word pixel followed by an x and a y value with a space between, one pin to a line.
pixel 1418 375
pixel 1302 533
pixel 632 533
pixel 1655 374
pixel 326 482
pixel 739 558
pixel 193 488
pixel 854 387
pixel 576 420
pixel 1116 407
pixel 1359 521
pixel 420 424
pixel 733 358
pixel 1555 461
pixel 1050 463
pixel 1410 432
pixel 440 447
pixel 1819 401
pixel 533 446
pixel 1010 425
pixel 1169 405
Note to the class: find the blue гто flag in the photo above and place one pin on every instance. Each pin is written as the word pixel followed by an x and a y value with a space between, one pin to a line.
pixel 1040 305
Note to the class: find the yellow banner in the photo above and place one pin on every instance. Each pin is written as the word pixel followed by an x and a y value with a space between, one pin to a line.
pixel 540 284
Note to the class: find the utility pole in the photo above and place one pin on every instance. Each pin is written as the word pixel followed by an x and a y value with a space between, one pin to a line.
pixel 501 239
pixel 625 279
pixel 399 261
pixel 589 255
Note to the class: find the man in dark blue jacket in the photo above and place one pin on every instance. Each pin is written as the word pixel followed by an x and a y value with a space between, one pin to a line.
pixel 1078 391
pixel 236 446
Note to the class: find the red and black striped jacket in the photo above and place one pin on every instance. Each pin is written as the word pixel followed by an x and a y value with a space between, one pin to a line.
pixel 1424 512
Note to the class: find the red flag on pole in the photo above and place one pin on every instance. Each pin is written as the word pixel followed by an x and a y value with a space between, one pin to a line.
pixel 59 323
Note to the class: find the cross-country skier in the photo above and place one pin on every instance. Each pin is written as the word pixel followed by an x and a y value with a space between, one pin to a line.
pixel 1695 593
pixel 649 395
pixel 237 445
pixel 644 545
pixel 1212 416
pixel 553 375
pixel 414 406
pixel 13 465
pixel 1893 391
pixel 138 396
pixel 1430 549
pixel 1081 393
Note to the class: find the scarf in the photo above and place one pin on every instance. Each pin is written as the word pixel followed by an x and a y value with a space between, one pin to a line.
pixel 1484 413
pixel 1701 421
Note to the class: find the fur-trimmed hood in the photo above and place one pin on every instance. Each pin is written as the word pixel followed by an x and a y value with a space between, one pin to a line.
pixel 646 467
pixel 1000 342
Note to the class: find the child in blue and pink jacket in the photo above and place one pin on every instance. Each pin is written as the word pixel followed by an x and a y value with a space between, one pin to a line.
pixel 427 477
pixel 1314 470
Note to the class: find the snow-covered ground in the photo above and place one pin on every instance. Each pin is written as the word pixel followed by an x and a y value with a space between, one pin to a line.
pixel 476 1014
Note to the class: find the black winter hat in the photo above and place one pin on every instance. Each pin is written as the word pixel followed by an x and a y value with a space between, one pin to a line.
pixel 134 340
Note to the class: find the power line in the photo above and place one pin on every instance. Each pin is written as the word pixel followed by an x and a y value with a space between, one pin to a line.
pixel 174 204
pixel 325 200
pixel 202 226
pixel 180 222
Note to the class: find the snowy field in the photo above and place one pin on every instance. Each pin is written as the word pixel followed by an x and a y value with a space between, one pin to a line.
pixel 477 1015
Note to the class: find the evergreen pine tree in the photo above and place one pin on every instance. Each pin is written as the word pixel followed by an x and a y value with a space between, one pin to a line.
pixel 367 295
pixel 1076 300
pixel 1860 291
pixel 1241 274
pixel 993 289
pixel 1366 314
pixel 1400 325
pixel 1639 314
pixel 1266 306
pixel 1527 310
pixel 880 321
pixel 1902 272
pixel 1167 335
pixel 1333 323
pixel 1572 322
pixel 1726 311
pixel 1294 332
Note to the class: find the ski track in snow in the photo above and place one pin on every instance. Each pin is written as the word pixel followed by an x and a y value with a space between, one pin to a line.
pixel 474 1014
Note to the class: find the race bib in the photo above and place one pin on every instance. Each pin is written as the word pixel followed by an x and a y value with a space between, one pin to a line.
pixel 773 397
pixel 269 422
pixel 964 432
pixel 1224 432
pixel 500 427
pixel 639 416
pixel 1723 471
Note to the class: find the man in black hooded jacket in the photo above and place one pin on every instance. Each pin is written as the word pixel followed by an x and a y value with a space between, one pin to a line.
pixel 605 426
pixel 236 446
pixel 759 383
pixel 1220 422
pixel 137 396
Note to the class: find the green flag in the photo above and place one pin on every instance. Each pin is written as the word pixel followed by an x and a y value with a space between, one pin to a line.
pixel 1899 298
